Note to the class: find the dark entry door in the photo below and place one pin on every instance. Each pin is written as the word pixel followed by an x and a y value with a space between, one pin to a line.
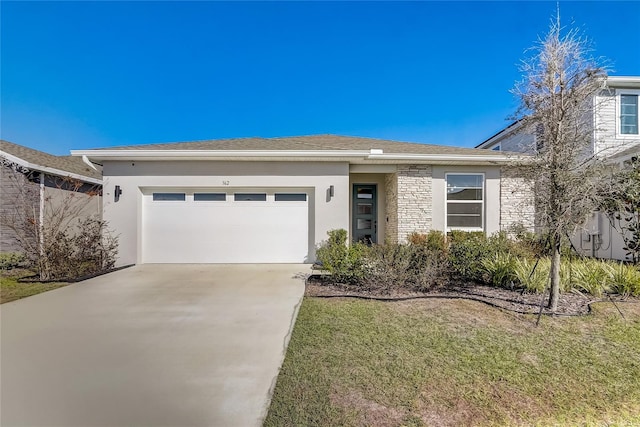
pixel 364 227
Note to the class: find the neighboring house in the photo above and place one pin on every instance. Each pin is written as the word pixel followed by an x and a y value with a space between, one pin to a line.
pixel 616 139
pixel 34 184
pixel 273 200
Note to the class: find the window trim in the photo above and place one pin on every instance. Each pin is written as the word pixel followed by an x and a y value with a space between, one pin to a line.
pixel 482 202
pixel 619 93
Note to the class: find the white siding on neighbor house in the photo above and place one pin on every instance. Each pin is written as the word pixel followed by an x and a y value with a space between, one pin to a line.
pixel 519 142
pixel 608 141
pixel 325 212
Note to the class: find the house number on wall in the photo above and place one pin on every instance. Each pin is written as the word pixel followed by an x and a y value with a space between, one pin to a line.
pixel 225 182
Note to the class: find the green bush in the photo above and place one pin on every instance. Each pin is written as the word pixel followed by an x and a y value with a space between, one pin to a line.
pixel 434 240
pixel 467 251
pixel 344 262
pixel 500 269
pixel 530 279
pixel 10 260
pixel 625 279
pixel 591 276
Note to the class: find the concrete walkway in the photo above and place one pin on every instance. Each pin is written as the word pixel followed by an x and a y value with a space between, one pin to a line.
pixel 151 345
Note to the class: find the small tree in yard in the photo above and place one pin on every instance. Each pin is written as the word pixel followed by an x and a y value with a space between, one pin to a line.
pixel 57 235
pixel 556 93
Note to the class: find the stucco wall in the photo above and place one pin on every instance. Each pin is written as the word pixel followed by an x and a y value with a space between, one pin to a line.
pixel 125 216
pixel 609 244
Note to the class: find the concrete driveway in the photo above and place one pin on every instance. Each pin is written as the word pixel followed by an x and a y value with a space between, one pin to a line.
pixel 151 345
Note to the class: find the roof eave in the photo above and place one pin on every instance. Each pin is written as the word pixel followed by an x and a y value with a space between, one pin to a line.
pixel 376 155
pixel 623 81
pixel 49 170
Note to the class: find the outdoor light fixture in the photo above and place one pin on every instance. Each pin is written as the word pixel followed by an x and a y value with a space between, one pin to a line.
pixel 116 193
pixel 331 190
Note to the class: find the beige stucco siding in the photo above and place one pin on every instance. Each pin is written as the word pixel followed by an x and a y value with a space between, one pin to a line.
pixel 326 212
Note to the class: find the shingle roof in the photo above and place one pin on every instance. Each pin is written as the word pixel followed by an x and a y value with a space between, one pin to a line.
pixel 70 164
pixel 312 142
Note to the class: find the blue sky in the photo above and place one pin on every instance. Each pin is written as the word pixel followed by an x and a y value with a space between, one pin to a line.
pixel 95 74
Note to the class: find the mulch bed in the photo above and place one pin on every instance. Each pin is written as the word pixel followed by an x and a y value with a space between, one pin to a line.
pixel 571 304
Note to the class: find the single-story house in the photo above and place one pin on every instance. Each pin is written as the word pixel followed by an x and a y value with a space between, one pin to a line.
pixel 34 185
pixel 273 200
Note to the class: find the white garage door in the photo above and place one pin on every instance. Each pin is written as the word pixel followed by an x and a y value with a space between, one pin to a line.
pixel 229 226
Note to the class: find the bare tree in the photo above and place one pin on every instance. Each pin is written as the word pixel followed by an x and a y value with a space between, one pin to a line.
pixel 54 222
pixel 560 79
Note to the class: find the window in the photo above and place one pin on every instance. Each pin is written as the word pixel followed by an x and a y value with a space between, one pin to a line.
pixel 247 197
pixel 175 197
pixel 628 114
pixel 496 148
pixel 465 201
pixel 291 197
pixel 209 197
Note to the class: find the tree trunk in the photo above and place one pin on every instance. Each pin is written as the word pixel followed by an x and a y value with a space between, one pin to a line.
pixel 554 276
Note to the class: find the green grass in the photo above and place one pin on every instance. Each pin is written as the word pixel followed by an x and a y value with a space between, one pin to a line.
pixel 11 289
pixel 457 362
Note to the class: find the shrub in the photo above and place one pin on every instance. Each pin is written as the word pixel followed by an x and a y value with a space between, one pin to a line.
pixel 413 267
pixel 625 279
pixel 90 250
pixel 466 253
pixel 591 276
pixel 434 240
pixel 500 269
pixel 344 262
pixel 530 279
pixel 10 260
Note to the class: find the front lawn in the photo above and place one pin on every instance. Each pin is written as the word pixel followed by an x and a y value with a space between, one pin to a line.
pixel 457 362
pixel 11 289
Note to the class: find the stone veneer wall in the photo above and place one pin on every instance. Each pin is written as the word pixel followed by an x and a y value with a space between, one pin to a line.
pixel 391 204
pixel 516 201
pixel 409 201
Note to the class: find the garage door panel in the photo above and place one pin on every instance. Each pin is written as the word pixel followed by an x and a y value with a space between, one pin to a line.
pixel 225 232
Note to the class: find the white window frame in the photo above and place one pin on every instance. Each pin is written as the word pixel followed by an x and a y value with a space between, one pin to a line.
pixel 620 92
pixel 446 201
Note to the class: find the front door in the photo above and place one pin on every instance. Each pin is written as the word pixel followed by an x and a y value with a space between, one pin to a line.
pixel 364 227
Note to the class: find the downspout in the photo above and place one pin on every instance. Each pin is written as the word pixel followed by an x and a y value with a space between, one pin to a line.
pixel 41 216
